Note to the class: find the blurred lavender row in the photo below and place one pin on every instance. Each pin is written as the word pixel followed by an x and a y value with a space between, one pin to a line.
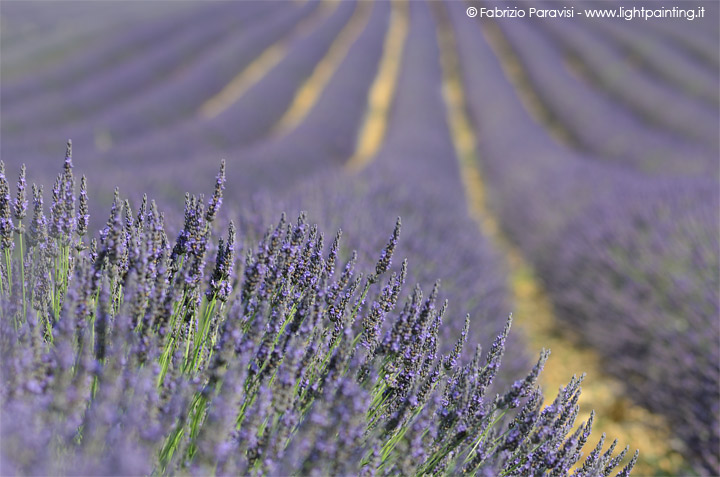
pixel 650 97
pixel 155 108
pixel 602 125
pixel 163 58
pixel 665 58
pixel 114 44
pixel 321 141
pixel 630 260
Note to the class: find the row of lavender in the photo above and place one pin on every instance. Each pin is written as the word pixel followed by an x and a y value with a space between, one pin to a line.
pixel 642 89
pixel 322 141
pixel 629 258
pixel 606 125
pixel 173 156
pixel 131 355
pixel 33 43
pixel 115 95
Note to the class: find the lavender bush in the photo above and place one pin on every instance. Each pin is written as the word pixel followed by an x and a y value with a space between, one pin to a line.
pixel 130 354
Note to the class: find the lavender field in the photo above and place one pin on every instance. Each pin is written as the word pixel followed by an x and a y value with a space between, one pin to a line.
pixel 389 237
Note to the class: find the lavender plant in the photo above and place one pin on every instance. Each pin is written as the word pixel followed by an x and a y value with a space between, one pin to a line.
pixel 135 355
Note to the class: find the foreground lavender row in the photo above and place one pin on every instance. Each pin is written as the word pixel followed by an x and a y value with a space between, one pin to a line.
pixel 130 355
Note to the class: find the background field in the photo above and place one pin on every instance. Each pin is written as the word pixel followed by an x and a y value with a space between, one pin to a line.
pixel 563 170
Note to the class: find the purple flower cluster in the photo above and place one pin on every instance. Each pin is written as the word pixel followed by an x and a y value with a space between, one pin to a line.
pixel 288 363
pixel 7 226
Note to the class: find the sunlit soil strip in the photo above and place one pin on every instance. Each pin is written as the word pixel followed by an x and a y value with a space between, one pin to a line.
pixel 310 91
pixel 615 415
pixel 261 65
pixel 382 91
pixel 520 79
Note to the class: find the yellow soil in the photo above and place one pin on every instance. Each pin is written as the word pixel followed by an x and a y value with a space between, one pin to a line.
pixel 382 91
pixel 615 414
pixel 261 65
pixel 309 92
pixel 515 72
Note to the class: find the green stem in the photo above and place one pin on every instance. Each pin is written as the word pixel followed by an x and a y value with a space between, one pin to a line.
pixel 22 273
pixel 2 286
pixel 8 263
pixel 9 276
pixel 204 330
pixel 482 436
pixel 213 340
pixel 166 356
